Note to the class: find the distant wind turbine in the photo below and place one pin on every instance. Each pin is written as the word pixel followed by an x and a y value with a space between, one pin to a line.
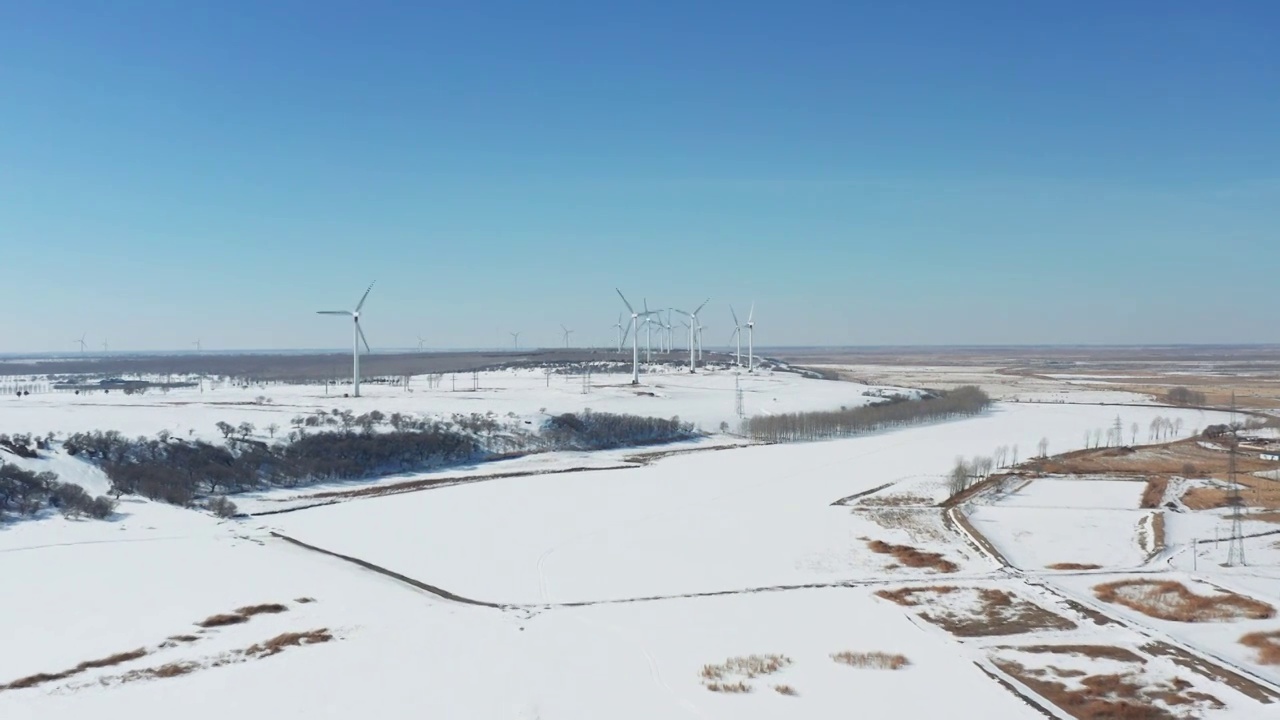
pixel 619 326
pixel 104 347
pixel 421 342
pixel 567 333
pixel 357 338
pixel 515 340
pixel 634 331
pixel 81 341
pixel 751 338
pixel 197 344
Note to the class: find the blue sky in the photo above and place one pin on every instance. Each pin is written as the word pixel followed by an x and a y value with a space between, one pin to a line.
pixel 868 173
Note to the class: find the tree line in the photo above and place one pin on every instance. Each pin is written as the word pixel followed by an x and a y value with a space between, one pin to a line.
pixel 25 493
pixel 180 471
pixel 963 401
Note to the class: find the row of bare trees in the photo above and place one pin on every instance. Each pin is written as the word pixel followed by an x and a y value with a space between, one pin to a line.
pixel 805 426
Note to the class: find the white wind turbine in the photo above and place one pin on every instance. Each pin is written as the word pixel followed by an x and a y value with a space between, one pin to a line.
pixel 567 333
pixel 421 343
pixel 357 338
pixel 81 342
pixel 693 333
pixel 515 340
pixel 751 338
pixel 737 334
pixel 619 326
pixel 634 331
pixel 197 344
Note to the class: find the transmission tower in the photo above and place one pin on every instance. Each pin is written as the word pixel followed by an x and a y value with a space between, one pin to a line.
pixel 1235 544
pixel 737 397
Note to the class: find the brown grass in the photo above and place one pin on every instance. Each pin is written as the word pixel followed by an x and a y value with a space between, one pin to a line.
pixel 184 638
pixel 750 666
pixel 1267 644
pixel 1073 566
pixel 871 660
pixel 304 600
pixel 1096 652
pixel 1002 613
pixel 1154 492
pixel 1171 600
pixel 726 687
pixel 264 609
pixel 913 557
pixel 41 678
pixel 222 620
pixel 786 690
pixel 1110 697
pixel 280 643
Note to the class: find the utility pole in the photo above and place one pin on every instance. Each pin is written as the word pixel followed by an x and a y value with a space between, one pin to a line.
pixel 737 394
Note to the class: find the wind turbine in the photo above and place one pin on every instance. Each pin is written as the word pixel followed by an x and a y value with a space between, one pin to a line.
pixel 691 344
pixel 104 347
pixel 751 338
pixel 634 331
pixel 648 332
pixel 421 343
pixel 357 338
pixel 81 342
pixel 567 333
pixel 737 334
pixel 197 344
pixel 619 326
pixel 515 340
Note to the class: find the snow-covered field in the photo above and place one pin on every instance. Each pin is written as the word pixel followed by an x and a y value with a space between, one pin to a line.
pixel 620 580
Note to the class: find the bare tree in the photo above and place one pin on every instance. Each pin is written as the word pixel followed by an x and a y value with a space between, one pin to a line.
pixel 1133 434
pixel 958 479
pixel 1015 456
pixel 272 429
pixel 1177 426
pixel 1043 447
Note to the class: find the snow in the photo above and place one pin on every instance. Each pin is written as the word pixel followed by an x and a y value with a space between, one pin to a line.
pixel 756 517
pixel 743 525
pixel 706 399
pixel 1035 538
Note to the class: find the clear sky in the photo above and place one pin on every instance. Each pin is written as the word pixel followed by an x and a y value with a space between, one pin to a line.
pixel 869 173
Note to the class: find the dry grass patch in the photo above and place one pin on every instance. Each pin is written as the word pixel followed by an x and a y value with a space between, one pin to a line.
pixel 264 609
pixel 1153 494
pixel 280 643
pixel 41 678
pixel 896 501
pixel 871 660
pixel 1267 644
pixel 913 557
pixel 750 666
pixel 1073 566
pixel 786 690
pixel 222 620
pixel 1171 600
pixel 728 687
pixel 304 600
pixel 1096 652
pixel 1115 696
pixel 977 612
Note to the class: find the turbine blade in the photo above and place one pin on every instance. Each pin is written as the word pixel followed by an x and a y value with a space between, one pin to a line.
pixel 704 304
pixel 624 301
pixel 348 313
pixel 752 315
pixel 365 296
pixel 366 342
pixel 626 334
pixel 735 316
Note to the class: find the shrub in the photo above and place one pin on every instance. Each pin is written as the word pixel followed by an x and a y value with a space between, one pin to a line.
pixel 221 506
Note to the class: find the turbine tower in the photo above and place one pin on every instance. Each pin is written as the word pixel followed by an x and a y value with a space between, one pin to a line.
pixel 693 331
pixel 357 338
pixel 634 331
pixel 751 338
pixel 567 333
pixel 619 326
pixel 105 348
pixel 737 334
